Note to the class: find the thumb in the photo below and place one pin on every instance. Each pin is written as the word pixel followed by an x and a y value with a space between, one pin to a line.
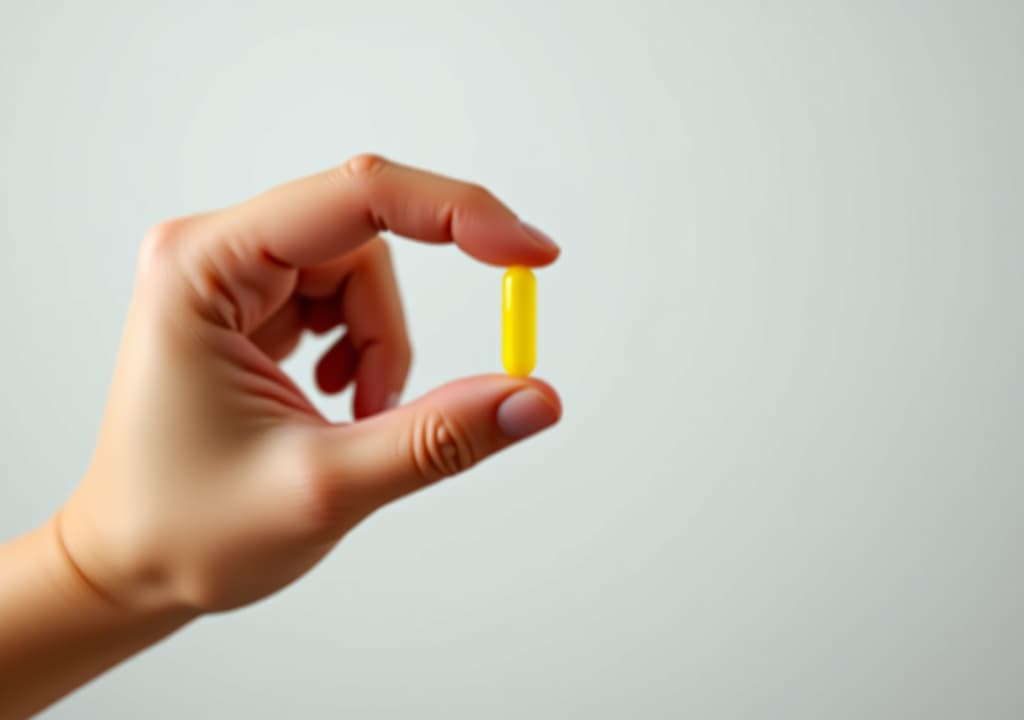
pixel 443 433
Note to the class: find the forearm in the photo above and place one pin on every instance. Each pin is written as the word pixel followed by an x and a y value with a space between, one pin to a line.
pixel 56 631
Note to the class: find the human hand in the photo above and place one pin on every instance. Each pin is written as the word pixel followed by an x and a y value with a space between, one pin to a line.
pixel 215 481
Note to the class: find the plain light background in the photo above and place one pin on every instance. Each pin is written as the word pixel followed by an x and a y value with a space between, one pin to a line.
pixel 786 328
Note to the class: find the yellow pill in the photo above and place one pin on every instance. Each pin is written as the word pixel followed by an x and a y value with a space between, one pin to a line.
pixel 518 321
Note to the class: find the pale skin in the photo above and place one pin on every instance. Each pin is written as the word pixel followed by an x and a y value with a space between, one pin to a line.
pixel 215 481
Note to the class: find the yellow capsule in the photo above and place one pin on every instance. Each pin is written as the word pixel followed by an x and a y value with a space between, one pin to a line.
pixel 518 321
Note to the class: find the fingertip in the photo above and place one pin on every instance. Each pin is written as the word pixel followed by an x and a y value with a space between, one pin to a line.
pixel 526 412
pixel 541 240
pixel 549 392
pixel 373 394
pixel 337 367
pixel 516 407
pixel 505 241
pixel 363 405
pixel 330 385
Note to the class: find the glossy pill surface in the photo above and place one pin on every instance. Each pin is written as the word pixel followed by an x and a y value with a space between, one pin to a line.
pixel 519 321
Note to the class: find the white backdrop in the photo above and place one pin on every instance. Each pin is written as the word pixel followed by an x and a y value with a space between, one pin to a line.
pixel 786 328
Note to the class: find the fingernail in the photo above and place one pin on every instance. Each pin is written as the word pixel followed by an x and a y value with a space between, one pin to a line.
pixel 540 237
pixel 524 413
pixel 391 401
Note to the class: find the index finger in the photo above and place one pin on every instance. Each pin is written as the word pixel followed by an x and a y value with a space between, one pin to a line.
pixel 314 219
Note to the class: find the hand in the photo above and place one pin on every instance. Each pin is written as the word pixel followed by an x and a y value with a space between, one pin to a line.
pixel 215 480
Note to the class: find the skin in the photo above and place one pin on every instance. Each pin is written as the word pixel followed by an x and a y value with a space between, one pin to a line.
pixel 215 481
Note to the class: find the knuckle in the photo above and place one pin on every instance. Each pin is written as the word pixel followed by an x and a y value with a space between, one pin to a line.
pixel 163 260
pixel 159 240
pixel 440 448
pixel 476 194
pixel 363 166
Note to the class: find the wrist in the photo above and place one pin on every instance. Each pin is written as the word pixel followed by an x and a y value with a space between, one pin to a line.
pixel 96 598
pixel 57 631
pixel 114 552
